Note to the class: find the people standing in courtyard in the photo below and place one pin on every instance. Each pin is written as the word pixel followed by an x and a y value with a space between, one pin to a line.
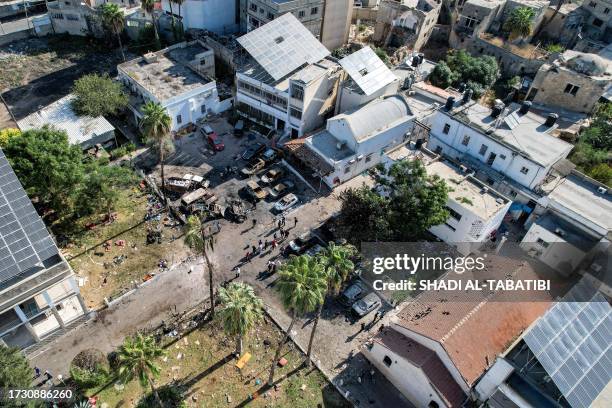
pixel 237 272
pixel 295 221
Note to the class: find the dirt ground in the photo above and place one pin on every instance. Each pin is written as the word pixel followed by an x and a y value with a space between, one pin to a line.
pixel 106 272
pixel 38 71
pixel 201 365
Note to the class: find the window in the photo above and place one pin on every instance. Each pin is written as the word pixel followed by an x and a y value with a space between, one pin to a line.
pixel 466 140
pixel 483 150
pixel 179 119
pixel 607 10
pixel 542 242
pixel 297 92
pixel 301 13
pixel 592 4
pixel 369 158
pixel 446 129
pixel 433 404
pixel 57 16
pixel 270 16
pixel 571 89
pixel 502 156
pixel 347 169
pixel 72 17
pixel 253 7
pixel 387 361
pixel 524 170
pixel 597 22
pixel 454 214
pixel 513 194
pixel 203 109
pixel 296 113
pixel 438 150
pixel 314 11
pixel 261 11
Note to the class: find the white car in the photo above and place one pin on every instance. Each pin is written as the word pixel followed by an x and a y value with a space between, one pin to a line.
pixel 285 203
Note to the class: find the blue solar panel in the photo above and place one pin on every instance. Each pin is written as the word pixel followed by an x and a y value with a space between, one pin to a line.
pixel 24 240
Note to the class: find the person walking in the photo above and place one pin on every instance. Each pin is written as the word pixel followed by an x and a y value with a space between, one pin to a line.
pixel 280 224
pixel 254 222
pixel 283 220
pixel 237 272
pixel 254 249
pixel 36 372
pixel 260 247
pixel 295 222
pixel 274 244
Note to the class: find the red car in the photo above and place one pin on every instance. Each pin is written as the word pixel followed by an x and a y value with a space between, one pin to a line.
pixel 214 141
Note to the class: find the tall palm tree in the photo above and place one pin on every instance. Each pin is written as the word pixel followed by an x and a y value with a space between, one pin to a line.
pixel 114 19
pixel 301 285
pixel 180 3
pixel 156 125
pixel 519 22
pixel 149 7
pixel 137 357
pixel 200 238
pixel 337 266
pixel 242 310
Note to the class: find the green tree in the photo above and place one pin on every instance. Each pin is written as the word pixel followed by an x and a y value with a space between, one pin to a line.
pixel 416 201
pixel 337 265
pixel 442 76
pixel 382 54
pixel 114 20
pixel 301 284
pixel 14 373
pixel 49 168
pixel 602 173
pixel 519 22
pixel 100 191
pixel 137 358
pixel 98 95
pixel 241 311
pixel 156 125
pixel 7 134
pixel 363 216
pixel 200 238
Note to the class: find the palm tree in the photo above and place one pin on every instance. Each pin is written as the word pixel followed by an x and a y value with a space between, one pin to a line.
pixel 149 6
pixel 156 125
pixel 200 238
pixel 301 284
pixel 180 3
pixel 137 357
pixel 519 22
pixel 337 266
pixel 242 310
pixel 114 19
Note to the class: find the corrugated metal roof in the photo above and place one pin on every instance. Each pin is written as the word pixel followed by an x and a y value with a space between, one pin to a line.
pixel 80 129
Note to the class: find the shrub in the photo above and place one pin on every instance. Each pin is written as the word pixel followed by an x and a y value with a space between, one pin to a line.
pixel 90 368
pixel 7 134
pixel 170 394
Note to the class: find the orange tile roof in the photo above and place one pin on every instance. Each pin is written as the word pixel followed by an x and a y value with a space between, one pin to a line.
pixel 474 327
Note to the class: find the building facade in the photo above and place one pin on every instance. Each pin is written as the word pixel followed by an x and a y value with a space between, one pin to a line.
pixel 219 16
pixel 180 78
pixel 39 295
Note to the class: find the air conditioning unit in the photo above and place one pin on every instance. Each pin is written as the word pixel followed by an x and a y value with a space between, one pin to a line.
pixel 602 190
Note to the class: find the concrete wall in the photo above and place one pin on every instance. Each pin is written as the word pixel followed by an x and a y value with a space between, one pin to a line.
pixel 349 99
pixel 364 14
pixel 336 23
pixel 218 16
pixel 310 20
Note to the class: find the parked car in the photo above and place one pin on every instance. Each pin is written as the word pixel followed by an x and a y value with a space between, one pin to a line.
pixel 215 142
pixel 253 167
pixel 366 305
pixel 239 128
pixel 285 203
pixel 271 154
pixel 353 293
pixel 253 150
pixel 315 250
pixel 255 190
pixel 303 243
pixel 272 175
pixel 282 188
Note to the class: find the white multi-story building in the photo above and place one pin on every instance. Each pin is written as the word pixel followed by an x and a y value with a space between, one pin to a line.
pixel 180 78
pixel 355 141
pixel 218 16
pixel 39 296
pixel 514 143
pixel 286 81
pixel 475 209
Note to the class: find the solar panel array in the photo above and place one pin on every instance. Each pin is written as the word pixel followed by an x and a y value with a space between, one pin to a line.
pixel 24 240
pixel 367 70
pixel 512 120
pixel 282 45
pixel 572 342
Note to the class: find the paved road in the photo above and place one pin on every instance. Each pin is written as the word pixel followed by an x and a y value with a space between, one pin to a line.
pixel 336 338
